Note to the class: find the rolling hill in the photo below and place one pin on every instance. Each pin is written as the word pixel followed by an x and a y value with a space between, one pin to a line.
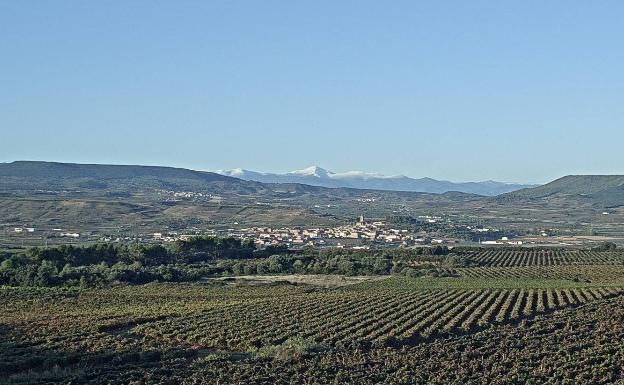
pixel 601 190
pixel 34 175
pixel 117 198
pixel 106 199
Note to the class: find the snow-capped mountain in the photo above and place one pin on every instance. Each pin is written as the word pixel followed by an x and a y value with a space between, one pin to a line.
pixel 313 171
pixel 317 176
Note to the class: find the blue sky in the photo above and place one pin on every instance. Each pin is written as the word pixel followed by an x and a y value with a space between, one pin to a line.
pixel 515 91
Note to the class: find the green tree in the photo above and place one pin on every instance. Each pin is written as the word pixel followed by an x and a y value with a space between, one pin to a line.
pixel 46 273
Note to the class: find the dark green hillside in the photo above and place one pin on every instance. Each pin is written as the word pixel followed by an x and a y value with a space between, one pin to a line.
pixel 26 175
pixel 34 169
pixel 602 190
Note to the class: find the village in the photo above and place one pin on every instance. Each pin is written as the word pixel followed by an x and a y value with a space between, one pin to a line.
pixel 360 234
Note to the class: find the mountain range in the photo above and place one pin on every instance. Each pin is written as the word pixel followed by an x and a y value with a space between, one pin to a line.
pixel 29 176
pixel 317 176
pixel 122 197
pixel 33 176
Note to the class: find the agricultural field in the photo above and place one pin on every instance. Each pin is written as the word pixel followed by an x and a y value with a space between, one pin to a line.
pixel 523 257
pixel 543 318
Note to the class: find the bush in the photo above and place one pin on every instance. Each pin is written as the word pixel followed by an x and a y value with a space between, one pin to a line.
pixel 291 349
pixel 606 246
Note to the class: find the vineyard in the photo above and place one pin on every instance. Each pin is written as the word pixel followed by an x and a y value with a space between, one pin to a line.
pixel 362 318
pixel 514 258
pixel 387 329
pixel 586 273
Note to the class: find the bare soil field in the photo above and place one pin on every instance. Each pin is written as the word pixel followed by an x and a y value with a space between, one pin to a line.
pixel 298 279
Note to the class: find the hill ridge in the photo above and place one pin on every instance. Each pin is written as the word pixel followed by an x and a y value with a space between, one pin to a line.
pixel 605 190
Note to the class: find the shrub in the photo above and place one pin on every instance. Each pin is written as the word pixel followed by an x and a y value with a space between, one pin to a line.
pixel 291 349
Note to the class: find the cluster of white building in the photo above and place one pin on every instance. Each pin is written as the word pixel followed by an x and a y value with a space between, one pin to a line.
pixel 57 232
pixel 24 230
pixel 364 231
pixel 184 194
pixel 170 237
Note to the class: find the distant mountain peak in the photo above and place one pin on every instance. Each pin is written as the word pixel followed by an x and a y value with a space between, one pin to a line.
pixel 314 171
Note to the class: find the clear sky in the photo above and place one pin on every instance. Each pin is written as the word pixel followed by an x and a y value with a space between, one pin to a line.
pixel 521 91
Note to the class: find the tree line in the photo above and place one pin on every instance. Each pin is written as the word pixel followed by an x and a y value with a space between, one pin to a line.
pixel 200 257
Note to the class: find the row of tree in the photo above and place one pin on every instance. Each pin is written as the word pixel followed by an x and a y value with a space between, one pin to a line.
pixel 202 257
pixel 193 250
